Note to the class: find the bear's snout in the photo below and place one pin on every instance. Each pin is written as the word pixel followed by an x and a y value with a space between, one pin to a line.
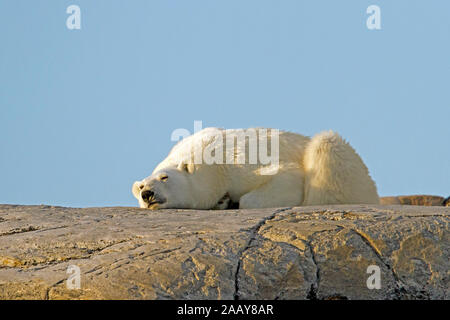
pixel 146 195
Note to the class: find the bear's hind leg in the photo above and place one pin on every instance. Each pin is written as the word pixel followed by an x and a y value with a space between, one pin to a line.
pixel 283 190
pixel 335 173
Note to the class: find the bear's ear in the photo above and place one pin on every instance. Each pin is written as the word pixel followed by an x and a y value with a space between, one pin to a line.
pixel 136 189
pixel 186 167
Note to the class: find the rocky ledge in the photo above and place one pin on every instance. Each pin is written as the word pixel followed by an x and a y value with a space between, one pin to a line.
pixel 288 253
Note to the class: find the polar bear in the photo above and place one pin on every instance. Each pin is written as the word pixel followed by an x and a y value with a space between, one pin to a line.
pixel 203 172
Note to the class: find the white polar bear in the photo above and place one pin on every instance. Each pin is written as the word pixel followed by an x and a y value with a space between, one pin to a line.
pixel 321 170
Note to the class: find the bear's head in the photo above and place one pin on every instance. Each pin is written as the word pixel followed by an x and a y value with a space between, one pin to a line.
pixel 184 186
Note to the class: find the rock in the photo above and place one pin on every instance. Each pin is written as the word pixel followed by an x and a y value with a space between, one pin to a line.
pixel 290 253
pixel 446 202
pixel 415 200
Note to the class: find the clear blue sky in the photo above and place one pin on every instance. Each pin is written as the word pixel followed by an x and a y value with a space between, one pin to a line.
pixel 85 113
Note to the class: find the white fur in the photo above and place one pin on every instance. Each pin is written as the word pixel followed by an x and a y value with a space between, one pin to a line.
pixel 312 171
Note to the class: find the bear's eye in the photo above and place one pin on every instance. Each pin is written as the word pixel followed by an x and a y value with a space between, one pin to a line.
pixel 163 178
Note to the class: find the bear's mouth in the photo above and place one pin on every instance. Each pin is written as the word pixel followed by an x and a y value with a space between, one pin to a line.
pixel 154 205
pixel 155 201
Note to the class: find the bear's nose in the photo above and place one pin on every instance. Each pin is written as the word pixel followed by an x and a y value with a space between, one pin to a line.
pixel 146 195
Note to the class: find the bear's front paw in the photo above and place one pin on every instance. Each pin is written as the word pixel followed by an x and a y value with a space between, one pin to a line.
pixel 223 203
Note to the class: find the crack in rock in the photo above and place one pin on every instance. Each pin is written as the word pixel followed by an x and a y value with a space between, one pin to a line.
pixel 19 230
pixel 400 287
pixel 253 232
pixel 47 291
pixel 312 294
